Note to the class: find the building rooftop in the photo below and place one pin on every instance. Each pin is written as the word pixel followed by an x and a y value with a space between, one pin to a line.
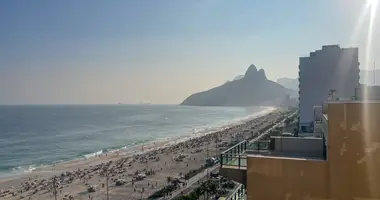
pixel 330 46
pixel 307 147
pixel 327 48
pixel 348 173
pixel 279 147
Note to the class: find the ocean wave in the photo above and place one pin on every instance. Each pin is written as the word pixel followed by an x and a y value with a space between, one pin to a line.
pixel 95 154
pixel 114 149
pixel 29 168
pixel 6 172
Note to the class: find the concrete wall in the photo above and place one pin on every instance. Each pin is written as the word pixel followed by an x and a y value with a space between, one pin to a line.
pixel 286 179
pixel 354 154
pixel 325 128
pixel 300 146
pixel 351 171
pixel 235 174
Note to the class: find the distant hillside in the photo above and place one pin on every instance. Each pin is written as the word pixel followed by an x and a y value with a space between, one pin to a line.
pixel 252 89
pixel 290 83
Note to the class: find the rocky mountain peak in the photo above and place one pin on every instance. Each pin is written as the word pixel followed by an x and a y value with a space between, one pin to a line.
pixel 251 70
pixel 261 73
pixel 252 73
pixel 252 89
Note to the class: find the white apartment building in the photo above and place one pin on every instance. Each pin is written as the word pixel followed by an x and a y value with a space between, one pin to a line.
pixel 330 69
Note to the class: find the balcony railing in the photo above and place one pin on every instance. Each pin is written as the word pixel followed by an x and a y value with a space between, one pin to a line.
pixel 238 194
pixel 236 156
pixel 261 145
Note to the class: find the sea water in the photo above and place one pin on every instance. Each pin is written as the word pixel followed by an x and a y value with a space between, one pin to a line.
pixel 32 136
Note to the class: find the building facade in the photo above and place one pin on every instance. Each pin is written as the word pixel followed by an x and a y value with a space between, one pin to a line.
pixel 342 165
pixel 330 69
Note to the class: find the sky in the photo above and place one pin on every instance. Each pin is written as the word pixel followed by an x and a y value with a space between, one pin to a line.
pixel 105 52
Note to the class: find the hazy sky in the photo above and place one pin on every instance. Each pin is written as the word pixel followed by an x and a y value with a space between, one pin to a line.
pixel 159 51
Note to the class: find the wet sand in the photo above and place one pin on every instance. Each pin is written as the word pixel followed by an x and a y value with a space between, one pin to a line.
pixel 154 162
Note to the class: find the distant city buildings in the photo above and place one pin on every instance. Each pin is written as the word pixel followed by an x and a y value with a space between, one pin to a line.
pixel 329 73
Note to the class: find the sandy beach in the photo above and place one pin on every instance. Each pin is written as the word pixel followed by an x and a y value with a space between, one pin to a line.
pixel 152 163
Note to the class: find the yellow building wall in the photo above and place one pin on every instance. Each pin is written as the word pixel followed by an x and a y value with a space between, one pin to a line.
pixel 353 154
pixel 269 178
pixel 351 171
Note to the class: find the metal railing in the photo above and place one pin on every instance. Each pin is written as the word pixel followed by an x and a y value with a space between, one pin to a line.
pixel 260 145
pixel 234 156
pixel 238 193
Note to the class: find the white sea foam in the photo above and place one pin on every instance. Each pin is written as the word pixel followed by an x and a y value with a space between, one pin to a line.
pixel 91 155
pixel 28 168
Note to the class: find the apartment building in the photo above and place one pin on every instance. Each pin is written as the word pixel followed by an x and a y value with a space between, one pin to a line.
pixel 330 72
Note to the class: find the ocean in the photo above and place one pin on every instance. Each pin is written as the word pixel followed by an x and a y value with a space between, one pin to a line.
pixel 32 136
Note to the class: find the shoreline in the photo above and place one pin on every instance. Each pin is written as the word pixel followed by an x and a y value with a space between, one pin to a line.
pixel 159 157
pixel 126 150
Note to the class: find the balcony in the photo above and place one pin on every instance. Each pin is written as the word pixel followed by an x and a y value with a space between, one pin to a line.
pixel 291 147
pixel 234 161
pixel 236 156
